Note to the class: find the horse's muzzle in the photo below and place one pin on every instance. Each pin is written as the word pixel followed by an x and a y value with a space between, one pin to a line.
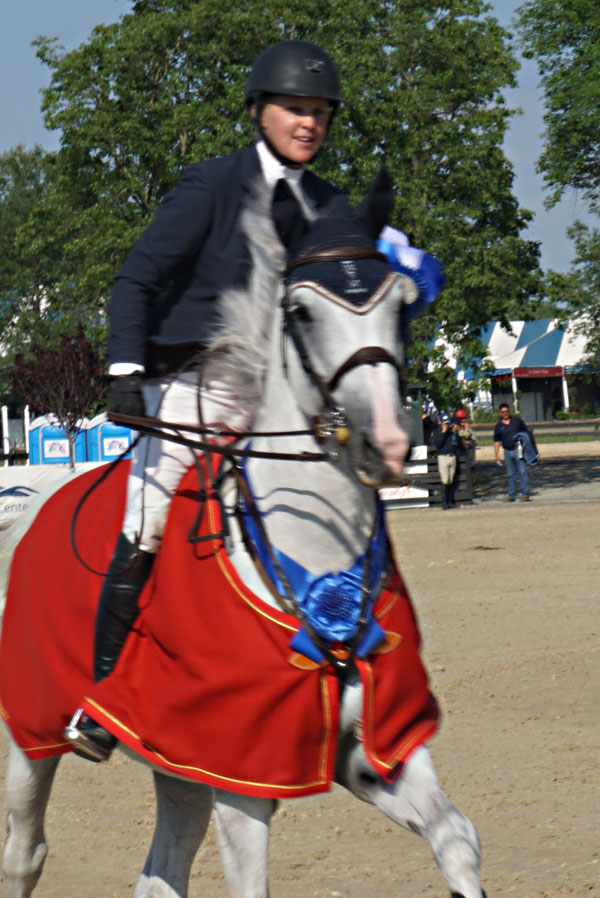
pixel 374 470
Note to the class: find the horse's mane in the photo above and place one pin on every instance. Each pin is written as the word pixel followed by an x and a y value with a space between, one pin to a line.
pixel 238 352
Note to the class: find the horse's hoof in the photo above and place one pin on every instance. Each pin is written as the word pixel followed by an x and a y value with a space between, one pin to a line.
pixel 458 895
pixel 89 740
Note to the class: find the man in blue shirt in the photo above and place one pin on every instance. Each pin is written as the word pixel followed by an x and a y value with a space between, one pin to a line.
pixel 506 434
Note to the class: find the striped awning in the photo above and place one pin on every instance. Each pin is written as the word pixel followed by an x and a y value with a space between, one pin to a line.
pixel 533 346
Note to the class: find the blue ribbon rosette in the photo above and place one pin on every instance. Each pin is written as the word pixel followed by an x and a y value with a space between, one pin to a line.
pixel 426 271
pixel 331 602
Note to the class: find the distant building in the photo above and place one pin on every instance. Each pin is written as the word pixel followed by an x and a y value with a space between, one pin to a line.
pixel 540 367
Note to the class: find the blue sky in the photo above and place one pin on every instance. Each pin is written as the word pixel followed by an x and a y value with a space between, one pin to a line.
pixel 22 77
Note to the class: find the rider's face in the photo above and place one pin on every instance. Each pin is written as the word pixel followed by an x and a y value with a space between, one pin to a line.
pixel 296 126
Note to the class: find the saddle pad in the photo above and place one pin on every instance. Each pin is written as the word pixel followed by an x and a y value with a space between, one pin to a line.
pixel 207 686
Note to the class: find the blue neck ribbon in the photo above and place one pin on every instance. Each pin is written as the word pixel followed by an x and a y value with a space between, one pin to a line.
pixel 331 602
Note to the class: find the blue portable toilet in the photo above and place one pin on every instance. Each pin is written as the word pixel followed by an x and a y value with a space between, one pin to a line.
pixel 49 445
pixel 107 440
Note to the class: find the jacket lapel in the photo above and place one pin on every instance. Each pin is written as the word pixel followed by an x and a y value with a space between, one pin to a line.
pixel 250 168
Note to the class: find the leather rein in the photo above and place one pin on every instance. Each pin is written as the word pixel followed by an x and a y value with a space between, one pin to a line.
pixel 332 422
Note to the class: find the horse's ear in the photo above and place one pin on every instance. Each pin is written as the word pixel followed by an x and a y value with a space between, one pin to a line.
pixel 375 210
pixel 290 223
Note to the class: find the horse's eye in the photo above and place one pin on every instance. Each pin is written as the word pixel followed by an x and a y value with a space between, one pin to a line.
pixel 302 314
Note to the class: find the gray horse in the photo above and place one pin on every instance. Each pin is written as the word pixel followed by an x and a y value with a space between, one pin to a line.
pixel 320 357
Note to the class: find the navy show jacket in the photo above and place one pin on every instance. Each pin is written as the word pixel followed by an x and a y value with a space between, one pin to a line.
pixel 446 443
pixel 166 290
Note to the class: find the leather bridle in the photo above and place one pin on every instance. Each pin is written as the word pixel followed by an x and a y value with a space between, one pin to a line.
pixel 333 420
pixel 334 417
pixel 339 254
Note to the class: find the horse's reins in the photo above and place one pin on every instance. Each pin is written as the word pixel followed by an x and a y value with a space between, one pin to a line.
pixel 157 427
pixel 332 422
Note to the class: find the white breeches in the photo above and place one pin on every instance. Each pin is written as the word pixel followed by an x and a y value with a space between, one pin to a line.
pixel 158 465
pixel 447 468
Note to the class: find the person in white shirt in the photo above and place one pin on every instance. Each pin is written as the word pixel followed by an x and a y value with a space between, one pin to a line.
pixel 165 307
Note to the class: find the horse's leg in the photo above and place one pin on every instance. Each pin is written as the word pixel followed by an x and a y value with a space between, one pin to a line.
pixel 243 831
pixel 28 785
pixel 416 801
pixel 183 812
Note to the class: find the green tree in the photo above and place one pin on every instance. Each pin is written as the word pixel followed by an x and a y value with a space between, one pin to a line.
pixel 423 82
pixel 23 183
pixel 563 36
pixel 39 293
pixel 577 294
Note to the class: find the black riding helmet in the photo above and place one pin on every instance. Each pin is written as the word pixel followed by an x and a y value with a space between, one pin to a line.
pixel 296 68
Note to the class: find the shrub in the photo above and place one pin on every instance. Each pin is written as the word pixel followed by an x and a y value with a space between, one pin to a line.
pixel 485 415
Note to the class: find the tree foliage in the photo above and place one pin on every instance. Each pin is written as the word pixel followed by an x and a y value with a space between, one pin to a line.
pixel 65 380
pixel 577 294
pixel 164 87
pixel 23 183
pixel 563 36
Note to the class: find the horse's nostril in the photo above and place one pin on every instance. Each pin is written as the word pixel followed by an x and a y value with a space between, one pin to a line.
pixel 369 452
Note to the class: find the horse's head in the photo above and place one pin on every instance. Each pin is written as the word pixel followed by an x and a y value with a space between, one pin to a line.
pixel 343 351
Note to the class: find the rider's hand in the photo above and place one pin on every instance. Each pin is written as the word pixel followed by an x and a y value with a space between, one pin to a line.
pixel 125 396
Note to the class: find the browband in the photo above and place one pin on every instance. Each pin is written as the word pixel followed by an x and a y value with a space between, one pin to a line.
pixel 339 254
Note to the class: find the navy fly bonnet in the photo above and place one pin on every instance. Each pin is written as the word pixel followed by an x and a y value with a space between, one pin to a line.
pixel 354 279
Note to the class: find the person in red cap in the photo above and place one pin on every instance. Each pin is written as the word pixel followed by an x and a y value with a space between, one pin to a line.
pixel 466 434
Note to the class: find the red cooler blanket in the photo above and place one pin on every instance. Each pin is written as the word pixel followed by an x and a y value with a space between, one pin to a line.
pixel 207 685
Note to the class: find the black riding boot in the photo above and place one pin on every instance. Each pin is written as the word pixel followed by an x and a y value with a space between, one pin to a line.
pixel 118 606
pixel 117 610
pixel 451 494
pixel 444 496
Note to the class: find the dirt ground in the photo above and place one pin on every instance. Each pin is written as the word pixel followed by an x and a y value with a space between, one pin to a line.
pixel 507 597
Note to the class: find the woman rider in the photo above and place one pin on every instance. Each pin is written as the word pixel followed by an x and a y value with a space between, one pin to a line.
pixel 164 309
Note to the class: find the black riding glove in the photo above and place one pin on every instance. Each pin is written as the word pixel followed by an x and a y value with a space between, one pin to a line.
pixel 125 396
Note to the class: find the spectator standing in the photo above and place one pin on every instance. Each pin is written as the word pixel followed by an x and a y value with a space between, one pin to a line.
pixel 466 434
pixel 511 432
pixel 448 443
pixel 428 424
